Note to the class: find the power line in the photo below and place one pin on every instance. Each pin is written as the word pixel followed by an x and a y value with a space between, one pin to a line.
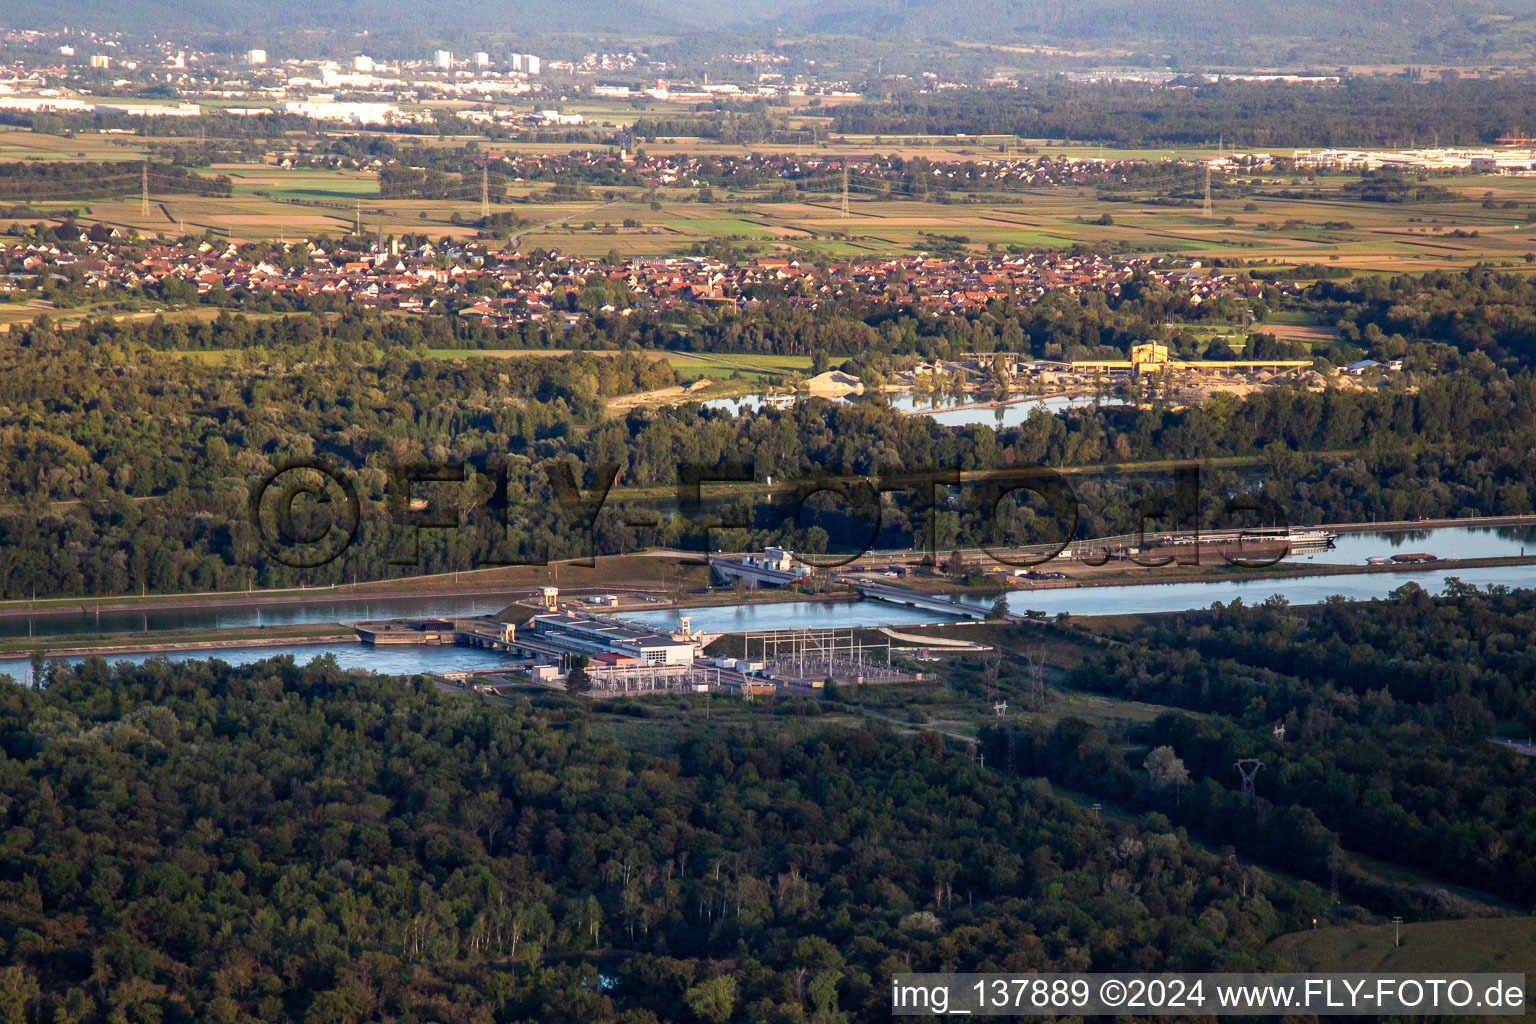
pixel 80 191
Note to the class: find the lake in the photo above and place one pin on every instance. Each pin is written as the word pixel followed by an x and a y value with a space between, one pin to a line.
pixel 1012 414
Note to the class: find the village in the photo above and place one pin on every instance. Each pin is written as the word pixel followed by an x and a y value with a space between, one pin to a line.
pixel 500 286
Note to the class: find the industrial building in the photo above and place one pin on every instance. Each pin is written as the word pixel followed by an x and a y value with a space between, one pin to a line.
pixel 1441 160
pixel 329 110
pixel 1151 356
pixel 551 636
pixel 605 641
pixel 775 567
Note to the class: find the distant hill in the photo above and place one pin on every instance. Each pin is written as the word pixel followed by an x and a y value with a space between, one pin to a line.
pixel 1110 21
pixel 1341 32
pixel 399 17
pixel 1336 29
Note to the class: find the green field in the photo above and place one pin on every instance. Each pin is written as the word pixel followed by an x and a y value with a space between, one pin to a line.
pixel 688 365
pixel 1262 231
pixel 1504 944
pixel 21 144
pixel 716 366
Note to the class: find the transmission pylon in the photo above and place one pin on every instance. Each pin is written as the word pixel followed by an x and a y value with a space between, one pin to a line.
pixel 485 193
pixel 845 188
pixel 1248 767
pixel 359 218
pixel 1206 210
pixel 144 206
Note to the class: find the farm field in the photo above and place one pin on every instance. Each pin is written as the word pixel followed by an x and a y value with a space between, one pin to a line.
pixel 762 367
pixel 19 144
pixel 1259 230
pixel 1487 219
pixel 690 365
pixel 1505 944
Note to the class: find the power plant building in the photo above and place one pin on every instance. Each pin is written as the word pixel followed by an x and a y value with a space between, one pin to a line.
pixel 605 640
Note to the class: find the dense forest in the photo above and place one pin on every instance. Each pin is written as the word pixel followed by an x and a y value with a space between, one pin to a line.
pixel 1479 310
pixel 155 454
pixel 1361 112
pixel 1371 719
pixel 272 843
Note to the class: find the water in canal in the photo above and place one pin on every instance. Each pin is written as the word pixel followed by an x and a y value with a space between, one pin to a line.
pixel 842 615
pixel 1458 542
pixel 1175 597
pixel 752 618
pixel 389 660
pixel 1444 542
pixel 1351 549
pixel 408 660
pixel 229 616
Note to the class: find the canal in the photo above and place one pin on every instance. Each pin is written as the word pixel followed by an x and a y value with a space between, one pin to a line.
pixel 111 620
pixel 760 618
pixel 1117 600
pixel 389 660
pixel 1177 597
pixel 1353 548
pixel 407 660
pixel 1456 542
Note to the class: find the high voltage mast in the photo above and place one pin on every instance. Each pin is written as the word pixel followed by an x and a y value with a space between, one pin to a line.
pixel 845 188
pixel 144 207
pixel 1206 209
pixel 485 192
pixel 1248 768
